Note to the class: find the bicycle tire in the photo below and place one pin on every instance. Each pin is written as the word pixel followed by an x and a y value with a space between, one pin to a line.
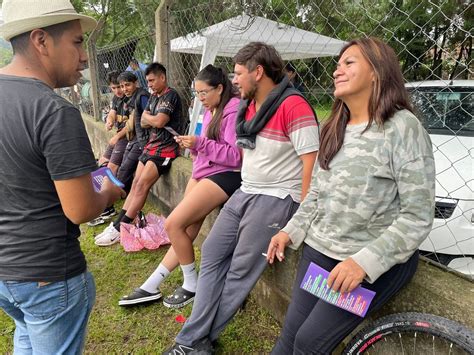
pixel 393 333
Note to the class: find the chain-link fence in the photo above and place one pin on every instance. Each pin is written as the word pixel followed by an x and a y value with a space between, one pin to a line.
pixel 433 40
pixel 125 42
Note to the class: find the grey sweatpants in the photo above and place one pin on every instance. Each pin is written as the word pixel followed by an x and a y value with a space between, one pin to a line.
pixel 232 261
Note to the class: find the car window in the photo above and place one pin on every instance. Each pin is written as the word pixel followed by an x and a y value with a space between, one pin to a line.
pixel 445 110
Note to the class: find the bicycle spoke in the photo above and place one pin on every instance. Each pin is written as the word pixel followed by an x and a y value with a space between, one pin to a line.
pixel 401 343
pixel 414 344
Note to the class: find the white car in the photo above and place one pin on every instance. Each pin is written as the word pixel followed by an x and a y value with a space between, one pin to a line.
pixel 446 110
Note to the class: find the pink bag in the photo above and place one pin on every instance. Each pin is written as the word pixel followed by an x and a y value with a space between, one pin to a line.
pixel 130 237
pixel 148 233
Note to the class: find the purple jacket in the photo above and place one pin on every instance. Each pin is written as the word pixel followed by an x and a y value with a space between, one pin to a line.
pixel 212 156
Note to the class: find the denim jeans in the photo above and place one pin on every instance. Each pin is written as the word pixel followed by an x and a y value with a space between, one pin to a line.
pixel 50 318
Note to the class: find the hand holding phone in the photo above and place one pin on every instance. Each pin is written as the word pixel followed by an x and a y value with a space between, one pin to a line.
pixel 186 141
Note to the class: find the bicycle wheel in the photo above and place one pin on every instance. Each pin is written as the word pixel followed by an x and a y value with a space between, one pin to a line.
pixel 412 333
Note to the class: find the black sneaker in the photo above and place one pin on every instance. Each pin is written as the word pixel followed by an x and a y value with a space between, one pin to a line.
pixel 202 347
pixel 139 296
pixel 96 222
pixel 180 298
pixel 108 213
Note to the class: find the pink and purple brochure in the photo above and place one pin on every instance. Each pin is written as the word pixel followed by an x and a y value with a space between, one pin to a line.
pixel 315 282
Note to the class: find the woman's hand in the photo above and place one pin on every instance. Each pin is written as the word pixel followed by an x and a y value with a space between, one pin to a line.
pixel 186 141
pixel 346 276
pixel 277 246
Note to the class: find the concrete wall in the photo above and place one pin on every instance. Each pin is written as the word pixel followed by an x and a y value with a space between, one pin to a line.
pixel 432 290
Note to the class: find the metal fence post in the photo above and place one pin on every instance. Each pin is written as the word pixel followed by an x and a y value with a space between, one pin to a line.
pixel 94 69
pixel 162 36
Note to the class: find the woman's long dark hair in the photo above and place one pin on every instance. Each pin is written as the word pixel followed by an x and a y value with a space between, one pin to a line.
pixel 214 76
pixel 388 96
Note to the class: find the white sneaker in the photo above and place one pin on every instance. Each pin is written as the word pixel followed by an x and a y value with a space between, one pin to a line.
pixel 101 234
pixel 108 237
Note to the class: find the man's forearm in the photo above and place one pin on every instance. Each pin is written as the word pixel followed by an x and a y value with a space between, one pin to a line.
pixel 144 122
pixel 121 134
pixel 111 117
pixel 159 121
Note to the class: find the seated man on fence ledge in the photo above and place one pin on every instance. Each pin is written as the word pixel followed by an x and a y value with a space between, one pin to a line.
pixel 137 136
pixel 117 116
pixel 134 104
pixel 163 109
pixel 278 132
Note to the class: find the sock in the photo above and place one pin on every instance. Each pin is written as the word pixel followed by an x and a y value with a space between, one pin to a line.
pixel 190 277
pixel 127 219
pixel 153 282
pixel 119 219
pixel 120 215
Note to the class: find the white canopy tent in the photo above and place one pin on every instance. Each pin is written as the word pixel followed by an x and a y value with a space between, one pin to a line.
pixel 227 37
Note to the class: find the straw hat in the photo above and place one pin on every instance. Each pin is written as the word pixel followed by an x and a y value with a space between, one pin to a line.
pixel 21 16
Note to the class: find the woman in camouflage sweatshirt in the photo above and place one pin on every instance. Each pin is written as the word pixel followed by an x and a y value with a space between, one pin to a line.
pixel 371 202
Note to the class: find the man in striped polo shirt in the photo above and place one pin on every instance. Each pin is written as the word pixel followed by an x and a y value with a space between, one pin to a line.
pixel 278 133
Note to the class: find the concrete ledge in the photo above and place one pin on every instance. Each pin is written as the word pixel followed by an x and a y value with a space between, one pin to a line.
pixel 432 290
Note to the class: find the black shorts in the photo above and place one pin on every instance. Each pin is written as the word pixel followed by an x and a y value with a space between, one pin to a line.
pixel 162 164
pixel 229 181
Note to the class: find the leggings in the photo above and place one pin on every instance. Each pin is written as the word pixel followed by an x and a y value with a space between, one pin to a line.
pixel 313 326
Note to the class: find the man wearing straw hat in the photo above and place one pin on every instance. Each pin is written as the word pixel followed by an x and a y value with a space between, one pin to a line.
pixel 45 182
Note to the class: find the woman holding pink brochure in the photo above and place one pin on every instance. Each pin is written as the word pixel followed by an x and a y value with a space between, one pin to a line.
pixel 215 177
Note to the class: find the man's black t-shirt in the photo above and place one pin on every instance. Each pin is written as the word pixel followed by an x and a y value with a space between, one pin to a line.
pixel 116 102
pixel 161 142
pixel 122 112
pixel 42 139
pixel 139 101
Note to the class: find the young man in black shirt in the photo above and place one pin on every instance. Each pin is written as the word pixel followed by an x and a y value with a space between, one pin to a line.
pixel 130 108
pixel 163 109
pixel 114 151
pixel 136 103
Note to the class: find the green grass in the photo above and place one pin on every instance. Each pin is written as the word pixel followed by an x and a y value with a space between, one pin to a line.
pixel 323 113
pixel 147 329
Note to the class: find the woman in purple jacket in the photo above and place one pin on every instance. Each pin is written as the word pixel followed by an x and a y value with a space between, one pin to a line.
pixel 215 177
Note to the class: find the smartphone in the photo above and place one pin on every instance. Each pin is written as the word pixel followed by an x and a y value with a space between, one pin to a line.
pixel 172 131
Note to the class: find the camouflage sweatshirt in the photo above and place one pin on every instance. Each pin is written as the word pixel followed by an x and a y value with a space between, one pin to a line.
pixel 376 201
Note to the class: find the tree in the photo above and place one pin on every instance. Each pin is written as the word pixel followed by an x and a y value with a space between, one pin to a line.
pixel 124 19
pixel 5 56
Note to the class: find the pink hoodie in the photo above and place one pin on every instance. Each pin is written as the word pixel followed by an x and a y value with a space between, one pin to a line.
pixel 212 156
